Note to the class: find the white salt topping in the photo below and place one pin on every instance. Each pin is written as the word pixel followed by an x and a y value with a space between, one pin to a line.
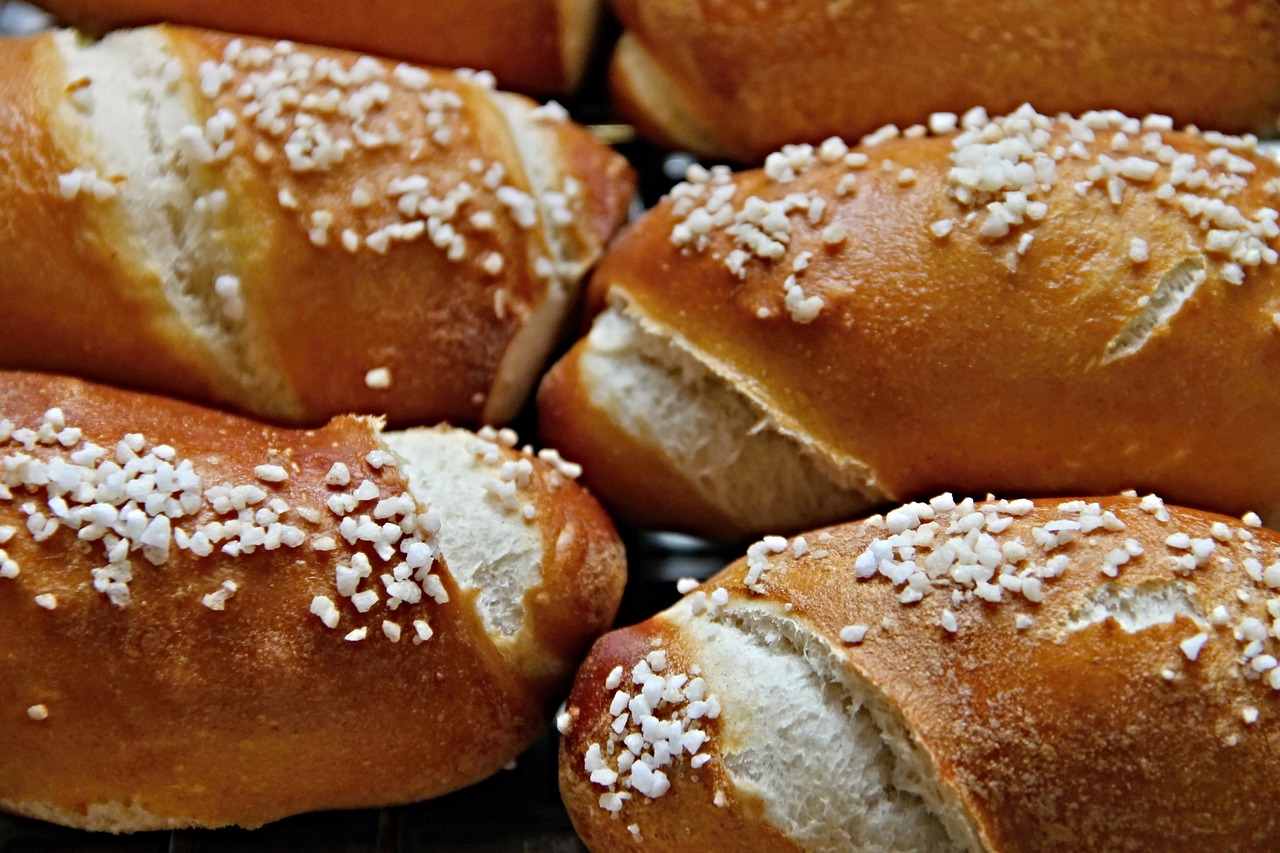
pixel 379 378
pixel 1138 252
pixel 324 607
pixel 1192 645
pixel 853 634
pixel 271 473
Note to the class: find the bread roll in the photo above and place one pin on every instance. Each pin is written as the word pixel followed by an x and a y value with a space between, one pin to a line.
pixel 207 621
pixel 1029 305
pixel 993 676
pixel 730 79
pixel 537 46
pixel 296 232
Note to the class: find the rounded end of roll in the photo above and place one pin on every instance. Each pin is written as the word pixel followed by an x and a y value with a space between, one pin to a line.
pixel 651 100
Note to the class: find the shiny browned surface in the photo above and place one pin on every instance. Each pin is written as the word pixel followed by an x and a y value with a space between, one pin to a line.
pixel 520 41
pixel 756 76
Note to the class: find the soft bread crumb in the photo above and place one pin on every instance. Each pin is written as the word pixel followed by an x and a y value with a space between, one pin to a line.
pixel 711 433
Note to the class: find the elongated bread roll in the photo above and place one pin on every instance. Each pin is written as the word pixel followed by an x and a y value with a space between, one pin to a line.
pixel 730 79
pixel 532 45
pixel 991 676
pixel 1031 305
pixel 206 621
pixel 297 232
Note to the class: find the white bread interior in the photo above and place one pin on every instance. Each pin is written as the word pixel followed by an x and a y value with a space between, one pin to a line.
pixel 98 817
pixel 733 454
pixel 527 352
pixel 131 129
pixel 829 757
pixel 491 553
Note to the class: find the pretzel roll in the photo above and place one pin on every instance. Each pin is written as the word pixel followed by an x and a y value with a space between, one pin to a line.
pixel 730 79
pixel 992 676
pixel 295 232
pixel 1032 305
pixel 540 46
pixel 207 621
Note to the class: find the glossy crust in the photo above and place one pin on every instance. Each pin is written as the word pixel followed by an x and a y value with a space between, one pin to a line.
pixel 539 47
pixel 1017 362
pixel 732 79
pixel 163 712
pixel 321 301
pixel 1070 733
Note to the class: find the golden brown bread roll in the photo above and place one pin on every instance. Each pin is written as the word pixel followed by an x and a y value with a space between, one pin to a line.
pixel 532 45
pixel 207 621
pixel 731 79
pixel 990 676
pixel 1030 305
pixel 297 232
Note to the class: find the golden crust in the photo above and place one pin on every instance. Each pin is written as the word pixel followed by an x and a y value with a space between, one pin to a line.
pixel 166 712
pixel 322 301
pixel 1076 730
pixel 754 79
pixel 531 46
pixel 974 362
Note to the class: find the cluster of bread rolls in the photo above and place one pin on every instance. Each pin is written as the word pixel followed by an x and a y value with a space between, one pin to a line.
pixel 293 231
pixel 210 621
pixel 1045 294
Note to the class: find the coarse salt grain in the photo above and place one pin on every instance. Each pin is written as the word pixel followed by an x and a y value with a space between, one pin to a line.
pixel 1192 645
pixel 853 634
pixel 271 473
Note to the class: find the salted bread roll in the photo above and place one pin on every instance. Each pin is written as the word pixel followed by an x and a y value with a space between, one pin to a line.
pixel 206 621
pixel 537 46
pixel 999 675
pixel 1033 305
pixel 731 79
pixel 296 232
